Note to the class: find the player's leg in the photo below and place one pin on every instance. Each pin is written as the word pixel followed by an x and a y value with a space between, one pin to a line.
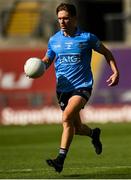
pixel 82 129
pixel 74 105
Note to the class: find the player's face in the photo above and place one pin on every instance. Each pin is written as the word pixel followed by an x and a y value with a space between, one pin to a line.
pixel 66 21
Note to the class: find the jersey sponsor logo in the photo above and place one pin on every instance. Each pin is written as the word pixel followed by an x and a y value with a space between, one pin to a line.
pixel 69 58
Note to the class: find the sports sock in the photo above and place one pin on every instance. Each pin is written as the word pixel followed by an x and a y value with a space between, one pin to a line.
pixel 62 155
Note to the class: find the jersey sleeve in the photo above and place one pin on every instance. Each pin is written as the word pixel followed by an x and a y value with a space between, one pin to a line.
pixel 50 53
pixel 94 42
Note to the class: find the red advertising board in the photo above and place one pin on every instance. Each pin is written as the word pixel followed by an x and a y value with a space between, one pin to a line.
pixel 14 85
pixel 30 101
pixel 12 77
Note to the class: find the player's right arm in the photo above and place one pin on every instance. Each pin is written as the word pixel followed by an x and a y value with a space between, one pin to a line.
pixel 47 61
pixel 49 56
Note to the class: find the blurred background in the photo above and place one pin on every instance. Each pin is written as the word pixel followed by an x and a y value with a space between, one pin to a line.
pixel 25 27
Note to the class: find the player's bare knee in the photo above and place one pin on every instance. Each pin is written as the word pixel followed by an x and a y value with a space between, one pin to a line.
pixel 67 120
pixel 66 116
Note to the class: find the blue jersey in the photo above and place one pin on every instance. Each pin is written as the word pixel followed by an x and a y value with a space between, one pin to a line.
pixel 72 57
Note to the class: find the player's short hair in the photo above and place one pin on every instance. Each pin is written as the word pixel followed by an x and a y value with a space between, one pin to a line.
pixel 70 8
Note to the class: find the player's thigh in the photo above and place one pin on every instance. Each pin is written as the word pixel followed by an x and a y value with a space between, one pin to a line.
pixel 75 104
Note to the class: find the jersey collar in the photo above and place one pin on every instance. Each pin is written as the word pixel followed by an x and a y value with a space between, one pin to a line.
pixel 77 32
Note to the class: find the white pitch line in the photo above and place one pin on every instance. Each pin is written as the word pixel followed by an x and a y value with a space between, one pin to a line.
pixel 15 170
pixel 100 167
pixel 66 168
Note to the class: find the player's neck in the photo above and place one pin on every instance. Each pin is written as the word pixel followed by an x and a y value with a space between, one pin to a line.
pixel 70 32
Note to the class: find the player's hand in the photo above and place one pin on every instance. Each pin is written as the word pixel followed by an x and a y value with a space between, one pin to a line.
pixel 113 79
pixel 27 76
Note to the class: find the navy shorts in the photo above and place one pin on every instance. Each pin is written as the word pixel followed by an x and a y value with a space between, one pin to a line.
pixel 63 97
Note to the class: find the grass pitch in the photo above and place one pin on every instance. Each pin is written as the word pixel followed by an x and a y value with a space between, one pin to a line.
pixel 24 149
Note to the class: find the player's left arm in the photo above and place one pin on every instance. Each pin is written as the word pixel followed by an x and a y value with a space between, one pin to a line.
pixel 114 78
